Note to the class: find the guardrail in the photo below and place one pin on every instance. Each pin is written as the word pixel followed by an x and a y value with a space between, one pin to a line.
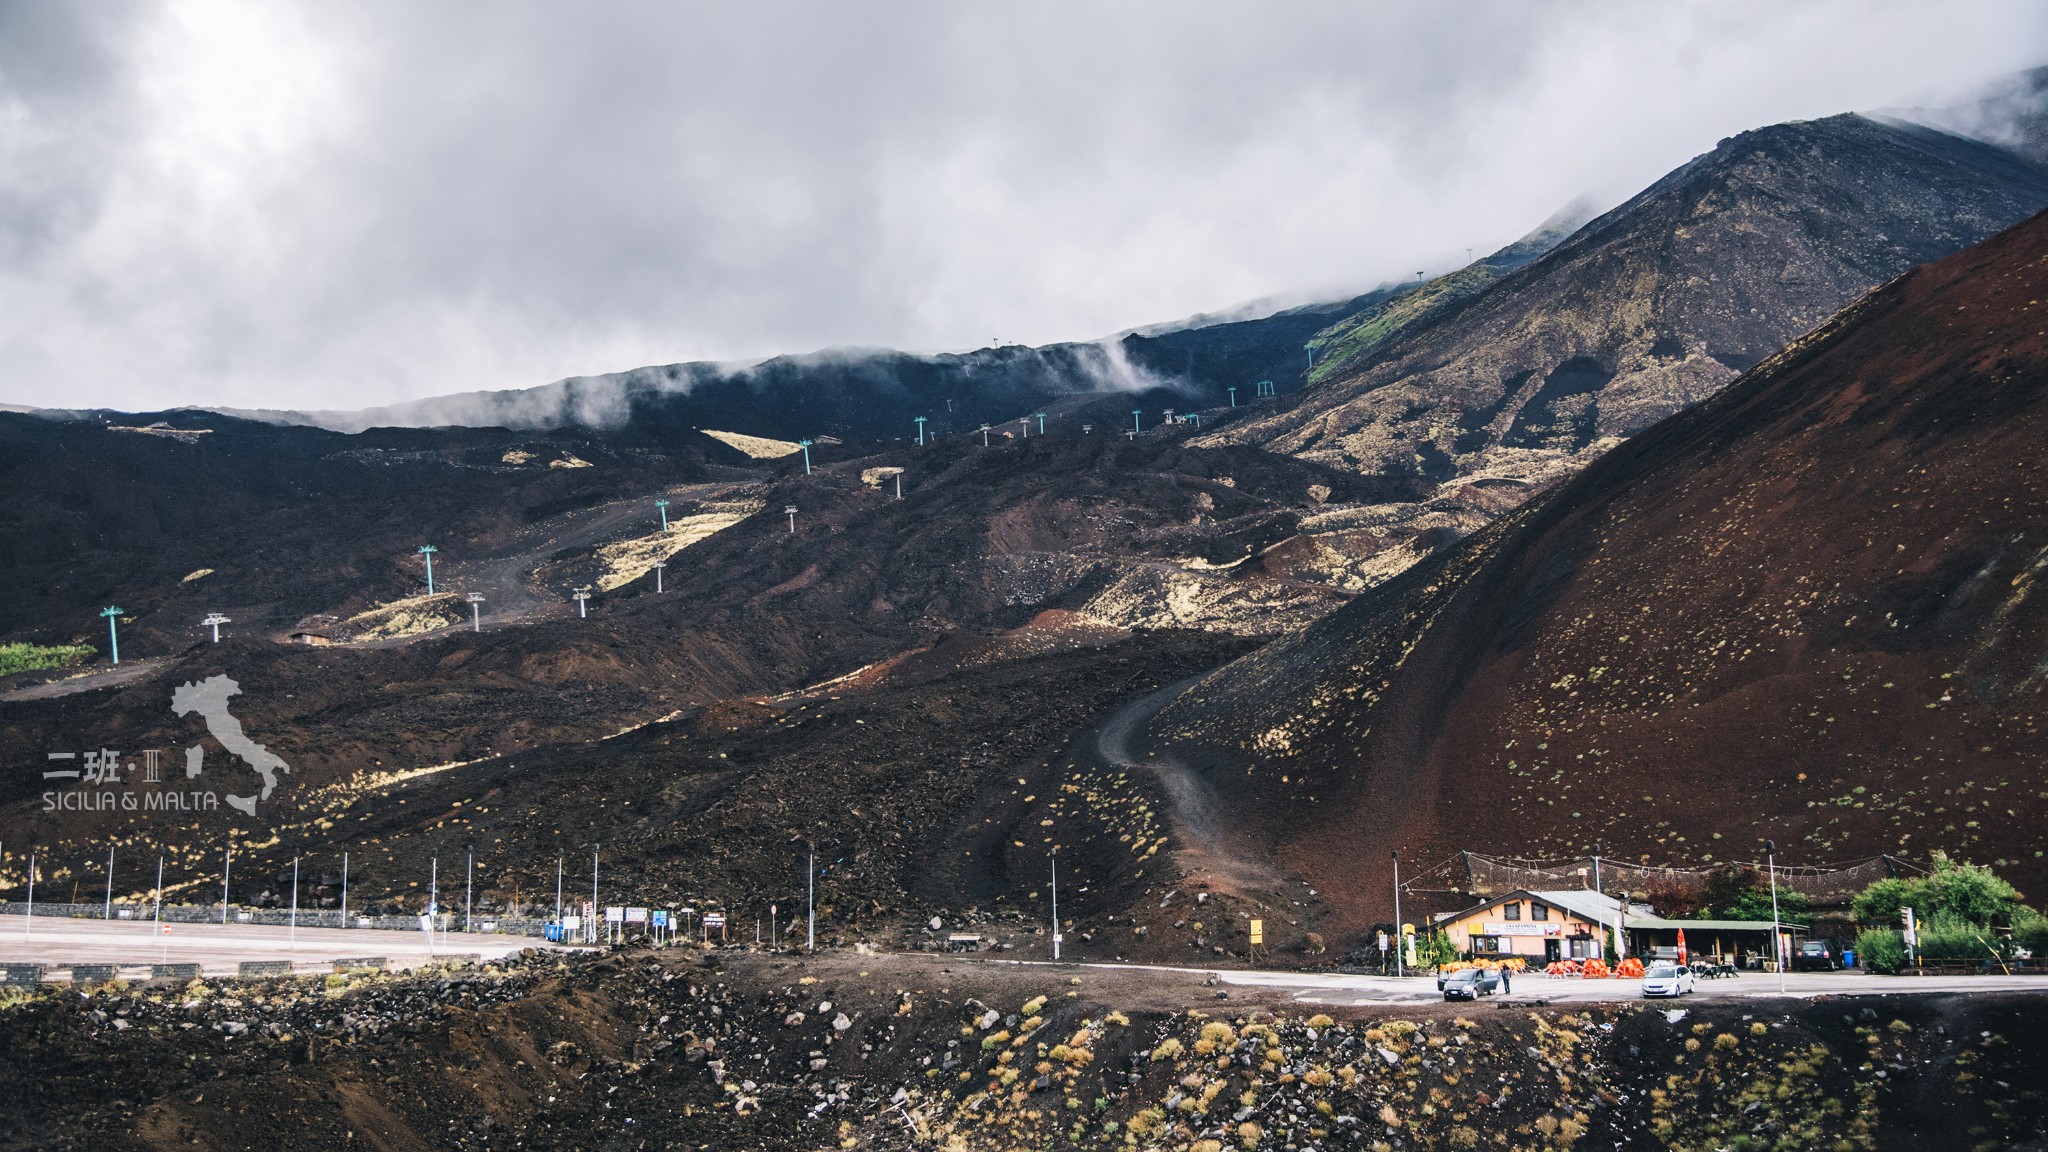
pixel 321 918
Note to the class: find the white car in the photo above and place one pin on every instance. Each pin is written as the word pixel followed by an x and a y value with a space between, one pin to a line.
pixel 1667 979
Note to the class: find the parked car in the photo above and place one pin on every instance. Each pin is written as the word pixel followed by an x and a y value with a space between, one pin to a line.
pixel 1815 956
pixel 1469 983
pixel 1667 979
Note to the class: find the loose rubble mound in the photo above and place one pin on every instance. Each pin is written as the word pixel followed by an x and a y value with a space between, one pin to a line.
pixel 679 1049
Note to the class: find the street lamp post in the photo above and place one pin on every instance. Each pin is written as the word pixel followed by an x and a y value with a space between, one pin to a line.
pixel 1777 947
pixel 1400 937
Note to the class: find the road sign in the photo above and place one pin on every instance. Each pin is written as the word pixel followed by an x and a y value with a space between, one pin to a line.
pixel 636 915
pixel 614 915
pixel 1258 932
pixel 660 918
pixel 714 919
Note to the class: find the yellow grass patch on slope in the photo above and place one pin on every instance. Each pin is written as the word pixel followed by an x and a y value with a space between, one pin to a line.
pixel 759 447
pixel 629 560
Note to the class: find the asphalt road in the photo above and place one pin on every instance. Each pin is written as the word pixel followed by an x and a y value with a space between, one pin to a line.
pixel 1344 989
pixel 218 948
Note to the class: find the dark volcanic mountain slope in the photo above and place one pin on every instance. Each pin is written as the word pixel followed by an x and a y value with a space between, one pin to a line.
pixel 1807 610
pixel 1660 302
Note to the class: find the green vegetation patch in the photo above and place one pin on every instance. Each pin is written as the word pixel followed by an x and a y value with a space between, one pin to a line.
pixel 30 657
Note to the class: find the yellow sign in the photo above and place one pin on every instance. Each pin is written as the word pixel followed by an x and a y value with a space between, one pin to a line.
pixel 1258 931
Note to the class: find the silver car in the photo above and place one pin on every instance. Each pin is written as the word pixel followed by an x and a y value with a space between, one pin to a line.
pixel 1667 979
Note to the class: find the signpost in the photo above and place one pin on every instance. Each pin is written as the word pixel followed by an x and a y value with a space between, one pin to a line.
pixel 714 920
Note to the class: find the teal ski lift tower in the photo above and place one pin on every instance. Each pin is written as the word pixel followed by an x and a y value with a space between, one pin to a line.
pixel 476 613
pixel 1233 395
pixel 662 507
pixel 806 446
pixel 428 551
pixel 1137 423
pixel 920 430
pixel 113 633
pixel 1041 422
pixel 214 620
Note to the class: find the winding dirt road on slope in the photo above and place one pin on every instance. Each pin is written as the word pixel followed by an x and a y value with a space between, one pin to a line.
pixel 1210 847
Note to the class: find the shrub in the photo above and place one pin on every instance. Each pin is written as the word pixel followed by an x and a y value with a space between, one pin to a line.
pixel 31 657
pixel 1962 892
pixel 2030 931
pixel 1881 950
pixel 1948 937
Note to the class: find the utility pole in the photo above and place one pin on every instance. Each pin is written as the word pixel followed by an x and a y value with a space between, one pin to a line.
pixel 476 614
pixel 344 889
pixel 1400 937
pixel 1777 947
pixel 811 903
pixel 428 551
pixel 30 919
pixel 1055 903
pixel 468 890
pixel 107 912
pixel 294 937
pixel 227 867
pixel 558 890
pixel 113 634
pixel 1599 891
pixel 157 917
pixel 595 911
pixel 214 620
pixel 433 899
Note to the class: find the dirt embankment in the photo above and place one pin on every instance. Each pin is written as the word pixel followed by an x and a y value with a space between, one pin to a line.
pixel 663 1050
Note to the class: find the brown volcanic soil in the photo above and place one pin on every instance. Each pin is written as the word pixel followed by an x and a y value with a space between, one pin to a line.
pixel 1806 610
pixel 676 1050
pixel 985 542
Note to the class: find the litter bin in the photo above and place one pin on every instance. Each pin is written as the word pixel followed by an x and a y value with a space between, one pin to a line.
pixel 1848 958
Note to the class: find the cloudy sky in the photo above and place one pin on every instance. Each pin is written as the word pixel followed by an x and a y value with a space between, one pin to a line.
pixel 332 205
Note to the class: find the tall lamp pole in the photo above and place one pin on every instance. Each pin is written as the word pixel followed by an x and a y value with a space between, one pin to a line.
pixel 1777 945
pixel 1400 937
pixel 1055 903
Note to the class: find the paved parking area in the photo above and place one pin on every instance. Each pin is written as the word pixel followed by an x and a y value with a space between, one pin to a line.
pixel 1341 989
pixel 219 948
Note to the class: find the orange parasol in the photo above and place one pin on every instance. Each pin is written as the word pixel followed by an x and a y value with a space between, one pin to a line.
pixel 1681 947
